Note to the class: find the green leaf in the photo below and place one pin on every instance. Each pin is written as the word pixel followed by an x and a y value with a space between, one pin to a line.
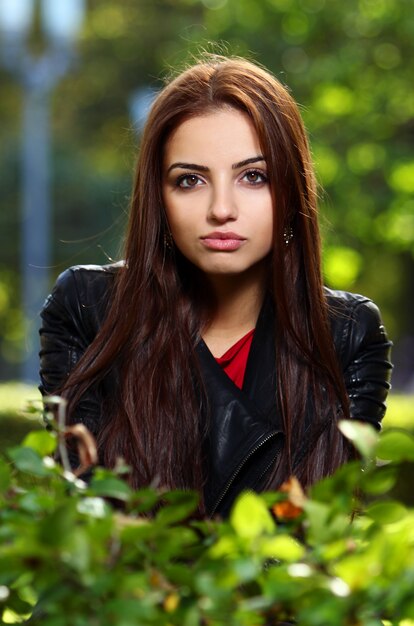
pixel 36 502
pixel 282 547
pixel 386 512
pixel 56 528
pixel 339 487
pixel 42 441
pixel 246 569
pixel 129 612
pixel 380 481
pixel 225 547
pixel 396 446
pixel 144 500
pixel 79 554
pixel 93 507
pixel 356 570
pixel 5 475
pixel 29 461
pixel 180 504
pixel 317 513
pixel 111 487
pixel 18 616
pixel 363 436
pixel 250 518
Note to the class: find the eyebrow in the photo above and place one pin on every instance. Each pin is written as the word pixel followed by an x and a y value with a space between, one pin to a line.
pixel 204 168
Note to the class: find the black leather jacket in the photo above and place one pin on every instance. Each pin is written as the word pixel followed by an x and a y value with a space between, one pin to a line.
pixel 245 431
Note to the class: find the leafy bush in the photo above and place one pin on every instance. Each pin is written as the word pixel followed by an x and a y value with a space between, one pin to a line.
pixel 73 554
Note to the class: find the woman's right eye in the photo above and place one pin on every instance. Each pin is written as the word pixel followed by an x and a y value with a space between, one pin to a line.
pixel 188 181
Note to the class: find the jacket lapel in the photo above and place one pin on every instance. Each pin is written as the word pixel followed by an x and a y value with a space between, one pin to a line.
pixel 260 377
pixel 244 429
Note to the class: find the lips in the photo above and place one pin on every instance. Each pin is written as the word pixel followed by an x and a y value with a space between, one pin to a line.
pixel 223 241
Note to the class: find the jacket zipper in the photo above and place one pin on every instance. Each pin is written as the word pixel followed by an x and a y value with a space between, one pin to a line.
pixel 237 471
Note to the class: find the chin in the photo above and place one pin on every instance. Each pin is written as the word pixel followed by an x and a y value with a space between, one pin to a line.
pixel 222 267
pixel 225 270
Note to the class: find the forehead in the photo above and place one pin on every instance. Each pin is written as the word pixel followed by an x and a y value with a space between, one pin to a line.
pixel 226 134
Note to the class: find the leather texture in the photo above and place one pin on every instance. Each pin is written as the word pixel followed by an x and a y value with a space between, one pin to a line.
pixel 245 433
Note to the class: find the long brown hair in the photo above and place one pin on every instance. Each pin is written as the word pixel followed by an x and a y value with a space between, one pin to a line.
pixel 155 419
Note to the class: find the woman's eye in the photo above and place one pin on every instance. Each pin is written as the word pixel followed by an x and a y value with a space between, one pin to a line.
pixel 187 181
pixel 255 177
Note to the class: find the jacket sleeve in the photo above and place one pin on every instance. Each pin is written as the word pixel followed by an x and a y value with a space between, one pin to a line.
pixel 64 337
pixel 367 370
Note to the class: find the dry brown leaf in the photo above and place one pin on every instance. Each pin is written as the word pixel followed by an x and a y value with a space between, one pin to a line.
pixel 86 444
pixel 286 510
pixel 296 499
pixel 293 488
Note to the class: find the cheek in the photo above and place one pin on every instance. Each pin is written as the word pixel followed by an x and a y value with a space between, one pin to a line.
pixel 183 234
pixel 179 225
pixel 266 240
pixel 173 215
pixel 183 217
pixel 265 227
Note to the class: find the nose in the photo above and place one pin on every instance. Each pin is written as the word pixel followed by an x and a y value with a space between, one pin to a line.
pixel 223 206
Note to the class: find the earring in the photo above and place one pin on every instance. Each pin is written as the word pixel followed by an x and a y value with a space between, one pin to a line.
pixel 168 240
pixel 288 235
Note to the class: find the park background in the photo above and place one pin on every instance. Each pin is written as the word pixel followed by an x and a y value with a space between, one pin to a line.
pixel 350 66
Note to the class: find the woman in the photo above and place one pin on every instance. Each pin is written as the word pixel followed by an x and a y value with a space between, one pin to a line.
pixel 213 358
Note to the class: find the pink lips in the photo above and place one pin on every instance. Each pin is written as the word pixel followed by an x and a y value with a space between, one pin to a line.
pixel 223 241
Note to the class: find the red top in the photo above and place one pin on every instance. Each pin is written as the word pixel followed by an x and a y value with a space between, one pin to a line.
pixel 234 361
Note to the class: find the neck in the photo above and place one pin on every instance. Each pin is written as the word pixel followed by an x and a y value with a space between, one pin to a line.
pixel 237 303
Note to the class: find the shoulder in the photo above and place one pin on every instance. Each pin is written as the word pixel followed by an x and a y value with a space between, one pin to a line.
pixel 86 282
pixel 83 292
pixel 355 322
pixel 345 306
pixel 88 276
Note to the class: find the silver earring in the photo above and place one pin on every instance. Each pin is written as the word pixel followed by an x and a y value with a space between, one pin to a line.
pixel 288 235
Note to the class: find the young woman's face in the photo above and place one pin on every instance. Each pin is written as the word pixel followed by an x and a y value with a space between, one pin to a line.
pixel 216 193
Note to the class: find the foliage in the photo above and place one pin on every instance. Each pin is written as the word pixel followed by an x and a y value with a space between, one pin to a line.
pixel 73 554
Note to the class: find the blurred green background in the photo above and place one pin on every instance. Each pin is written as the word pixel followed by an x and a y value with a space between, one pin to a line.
pixel 350 65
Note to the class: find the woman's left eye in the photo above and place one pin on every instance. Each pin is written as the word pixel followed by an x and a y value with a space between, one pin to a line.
pixel 255 177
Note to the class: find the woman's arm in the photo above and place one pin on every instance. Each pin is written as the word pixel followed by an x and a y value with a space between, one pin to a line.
pixel 69 325
pixel 366 353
